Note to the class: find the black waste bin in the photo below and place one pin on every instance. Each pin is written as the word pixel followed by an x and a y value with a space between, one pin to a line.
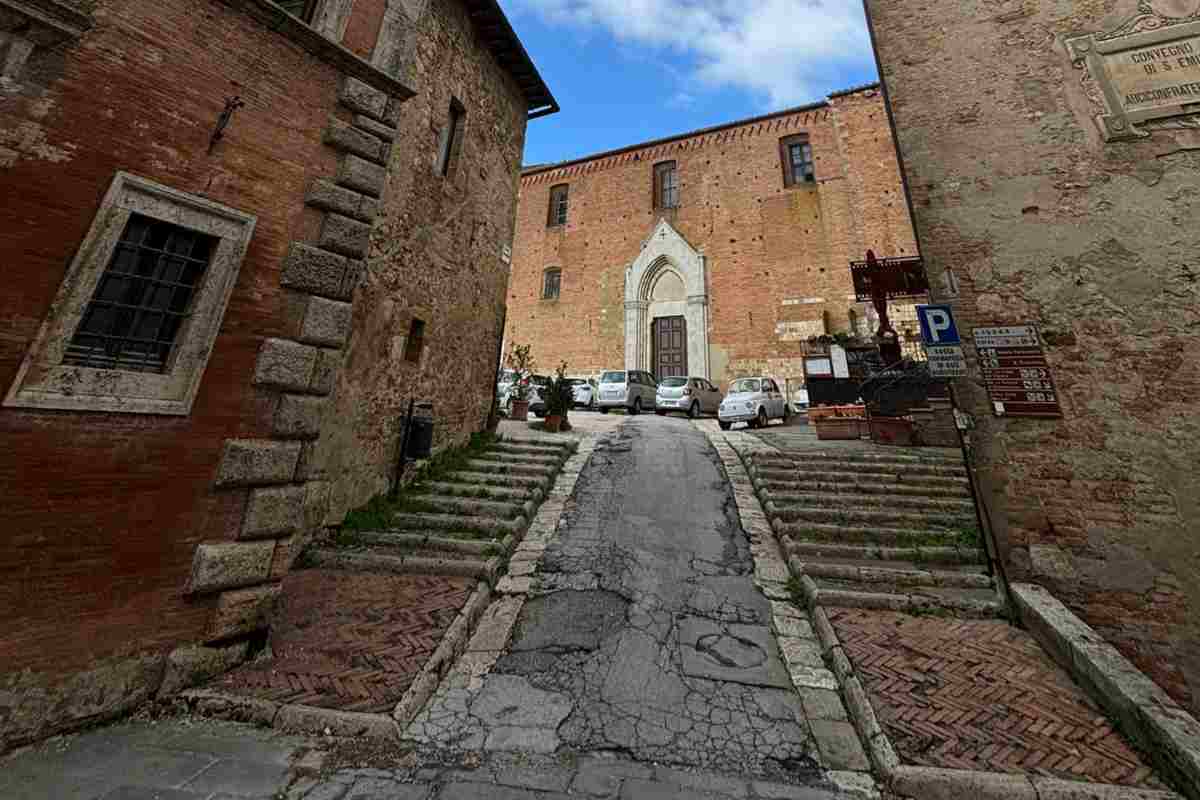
pixel 420 435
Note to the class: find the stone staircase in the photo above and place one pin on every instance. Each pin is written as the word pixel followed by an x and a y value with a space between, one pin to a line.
pixel 878 529
pixel 465 522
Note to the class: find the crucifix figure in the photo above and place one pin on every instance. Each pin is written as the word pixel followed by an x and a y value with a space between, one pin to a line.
pixel 886 336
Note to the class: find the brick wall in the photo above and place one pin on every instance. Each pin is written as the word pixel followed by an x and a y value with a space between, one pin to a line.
pixel 1044 222
pixel 436 257
pixel 777 258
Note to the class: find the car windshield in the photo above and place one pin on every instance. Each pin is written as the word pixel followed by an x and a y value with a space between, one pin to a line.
pixel 671 383
pixel 576 381
pixel 613 377
pixel 540 380
pixel 746 385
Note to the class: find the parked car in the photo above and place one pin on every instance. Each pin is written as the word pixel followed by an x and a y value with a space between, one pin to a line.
pixel 694 396
pixel 754 401
pixel 633 390
pixel 586 392
pixel 539 386
pixel 800 401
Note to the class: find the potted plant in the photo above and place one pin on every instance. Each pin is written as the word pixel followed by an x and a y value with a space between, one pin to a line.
pixel 559 400
pixel 521 363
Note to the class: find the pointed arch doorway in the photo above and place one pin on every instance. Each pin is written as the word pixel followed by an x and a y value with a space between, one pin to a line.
pixel 666 307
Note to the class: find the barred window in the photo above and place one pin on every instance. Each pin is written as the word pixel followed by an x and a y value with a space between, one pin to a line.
pixel 143 298
pixel 558 205
pixel 666 185
pixel 304 9
pixel 797 159
pixel 551 284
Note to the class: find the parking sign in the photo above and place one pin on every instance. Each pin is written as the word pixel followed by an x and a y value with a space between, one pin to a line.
pixel 937 325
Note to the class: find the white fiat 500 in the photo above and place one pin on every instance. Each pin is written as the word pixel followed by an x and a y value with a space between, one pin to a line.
pixel 755 401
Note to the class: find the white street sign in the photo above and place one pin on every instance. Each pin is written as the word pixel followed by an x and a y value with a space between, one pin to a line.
pixel 946 360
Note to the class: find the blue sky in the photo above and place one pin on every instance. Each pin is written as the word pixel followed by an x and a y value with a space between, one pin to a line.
pixel 625 71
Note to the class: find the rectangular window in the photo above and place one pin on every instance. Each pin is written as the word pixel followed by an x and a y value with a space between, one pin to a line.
pixel 666 185
pixel 797 159
pixel 143 298
pixel 452 139
pixel 551 284
pixel 558 205
pixel 415 342
pixel 304 9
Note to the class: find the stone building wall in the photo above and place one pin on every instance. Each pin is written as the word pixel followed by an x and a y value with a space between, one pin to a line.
pixel 776 257
pixel 140 550
pixel 1015 190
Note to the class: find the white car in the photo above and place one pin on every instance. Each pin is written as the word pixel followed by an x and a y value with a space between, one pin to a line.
pixel 586 392
pixel 695 396
pixel 755 401
pixel 504 389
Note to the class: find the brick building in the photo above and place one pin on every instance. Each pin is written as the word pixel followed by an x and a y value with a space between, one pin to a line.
pixel 238 236
pixel 738 237
pixel 1054 171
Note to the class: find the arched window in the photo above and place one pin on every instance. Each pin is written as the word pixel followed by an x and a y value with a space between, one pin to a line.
pixel 551 283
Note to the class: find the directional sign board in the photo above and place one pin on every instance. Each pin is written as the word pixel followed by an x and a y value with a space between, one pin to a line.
pixel 1015 372
pixel 942 345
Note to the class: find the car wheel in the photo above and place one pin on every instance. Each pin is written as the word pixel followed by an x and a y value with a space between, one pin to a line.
pixel 660 412
pixel 604 410
pixel 637 405
pixel 761 420
pixel 724 425
pixel 787 414
pixel 592 403
pixel 694 411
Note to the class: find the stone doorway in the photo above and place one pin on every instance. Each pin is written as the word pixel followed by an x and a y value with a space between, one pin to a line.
pixel 669 343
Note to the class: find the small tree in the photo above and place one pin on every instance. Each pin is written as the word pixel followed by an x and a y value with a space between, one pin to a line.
pixel 521 363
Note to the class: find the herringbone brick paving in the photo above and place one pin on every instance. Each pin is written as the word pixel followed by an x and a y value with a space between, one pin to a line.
pixel 981 695
pixel 351 641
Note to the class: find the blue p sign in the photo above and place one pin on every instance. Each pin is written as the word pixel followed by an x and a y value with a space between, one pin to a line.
pixel 937 325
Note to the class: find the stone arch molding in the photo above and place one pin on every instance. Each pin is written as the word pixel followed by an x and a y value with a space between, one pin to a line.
pixel 666 251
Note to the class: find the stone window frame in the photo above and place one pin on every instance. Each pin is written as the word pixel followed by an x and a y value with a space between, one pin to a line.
pixel 451 145
pixel 44 382
pixel 785 161
pixel 546 283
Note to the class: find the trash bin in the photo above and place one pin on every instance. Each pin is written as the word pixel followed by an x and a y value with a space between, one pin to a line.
pixel 420 436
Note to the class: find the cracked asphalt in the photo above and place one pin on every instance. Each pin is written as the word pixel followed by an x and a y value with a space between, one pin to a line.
pixel 648 639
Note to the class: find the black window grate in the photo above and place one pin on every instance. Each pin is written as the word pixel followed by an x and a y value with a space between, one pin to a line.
pixel 143 298
pixel 552 284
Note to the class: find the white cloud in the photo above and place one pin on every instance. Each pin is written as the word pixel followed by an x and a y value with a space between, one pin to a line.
pixel 783 51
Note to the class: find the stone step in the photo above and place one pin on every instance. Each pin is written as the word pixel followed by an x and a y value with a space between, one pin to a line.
pixel 557 450
pixel 886 456
pixel 366 561
pixel 898 574
pixel 910 599
pixel 452 504
pixel 512 467
pixel 875 534
pixel 842 467
pixel 458 522
pixel 427 541
pixel 941 505
pixel 916 556
pixel 501 479
pixel 842 514
pixel 506 457
pixel 791 485
pixel 800 478
pixel 485 491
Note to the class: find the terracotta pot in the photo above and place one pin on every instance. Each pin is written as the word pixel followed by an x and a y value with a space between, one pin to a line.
pixel 520 410
pixel 839 428
pixel 553 421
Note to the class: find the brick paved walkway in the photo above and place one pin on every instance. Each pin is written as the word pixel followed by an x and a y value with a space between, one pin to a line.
pixel 981 694
pixel 351 641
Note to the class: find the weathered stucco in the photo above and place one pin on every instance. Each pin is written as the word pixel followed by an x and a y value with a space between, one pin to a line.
pixel 1043 222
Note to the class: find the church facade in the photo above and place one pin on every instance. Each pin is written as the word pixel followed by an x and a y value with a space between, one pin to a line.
pixel 715 253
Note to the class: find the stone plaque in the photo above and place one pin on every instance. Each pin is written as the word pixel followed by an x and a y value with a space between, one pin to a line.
pixel 1144 74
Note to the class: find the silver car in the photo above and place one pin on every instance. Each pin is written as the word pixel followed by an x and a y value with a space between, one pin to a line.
pixel 632 390
pixel 694 396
